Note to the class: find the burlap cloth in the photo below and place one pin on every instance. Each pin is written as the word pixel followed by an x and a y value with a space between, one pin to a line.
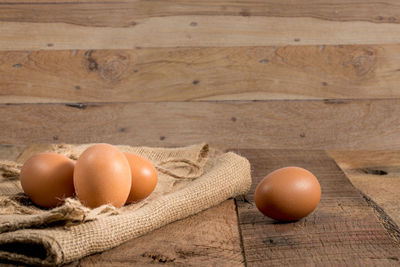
pixel 191 179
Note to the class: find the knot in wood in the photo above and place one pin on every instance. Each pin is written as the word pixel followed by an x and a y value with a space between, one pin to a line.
pixel 363 61
pixel 113 70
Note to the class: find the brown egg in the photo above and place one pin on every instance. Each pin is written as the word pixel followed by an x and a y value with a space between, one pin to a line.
pixel 102 176
pixel 288 194
pixel 47 179
pixel 144 177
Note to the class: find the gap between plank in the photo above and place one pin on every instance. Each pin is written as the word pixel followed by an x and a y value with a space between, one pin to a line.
pixel 326 100
pixel 240 234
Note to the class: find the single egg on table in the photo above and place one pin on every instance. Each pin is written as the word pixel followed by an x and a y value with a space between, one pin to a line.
pixel 102 175
pixel 288 194
pixel 47 178
pixel 144 177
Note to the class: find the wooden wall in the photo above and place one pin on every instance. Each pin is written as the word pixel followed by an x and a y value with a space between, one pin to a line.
pixel 318 74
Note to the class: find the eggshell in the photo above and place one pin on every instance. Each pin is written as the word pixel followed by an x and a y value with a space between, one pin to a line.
pixel 288 194
pixel 47 178
pixel 144 177
pixel 102 176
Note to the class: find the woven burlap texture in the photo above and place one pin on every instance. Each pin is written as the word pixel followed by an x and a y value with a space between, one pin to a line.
pixel 191 179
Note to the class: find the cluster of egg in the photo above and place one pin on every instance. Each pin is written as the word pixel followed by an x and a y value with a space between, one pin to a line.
pixel 101 175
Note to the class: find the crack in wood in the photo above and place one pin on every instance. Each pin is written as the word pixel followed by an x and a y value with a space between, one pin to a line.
pixel 240 229
pixel 373 171
pixel 391 227
pixel 157 257
pixel 77 105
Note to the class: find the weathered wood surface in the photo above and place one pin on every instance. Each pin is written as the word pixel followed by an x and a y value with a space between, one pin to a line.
pixel 196 31
pixel 342 231
pixel 210 238
pixel 361 124
pixel 375 173
pixel 11 152
pixel 145 51
pixel 182 74
pixel 124 14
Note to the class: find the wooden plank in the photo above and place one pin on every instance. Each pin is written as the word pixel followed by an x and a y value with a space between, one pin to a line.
pixel 357 124
pixel 124 13
pixel 208 238
pixel 31 150
pixel 196 31
pixel 343 230
pixel 181 74
pixel 376 174
pixel 10 152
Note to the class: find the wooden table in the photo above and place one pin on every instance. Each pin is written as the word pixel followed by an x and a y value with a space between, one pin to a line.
pixel 349 227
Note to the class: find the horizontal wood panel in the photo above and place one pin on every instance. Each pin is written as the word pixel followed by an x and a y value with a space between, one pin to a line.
pixel 181 74
pixel 270 124
pixel 10 152
pixel 196 31
pixel 124 13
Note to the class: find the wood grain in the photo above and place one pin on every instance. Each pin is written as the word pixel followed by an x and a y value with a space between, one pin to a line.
pixel 375 173
pixel 124 13
pixel 10 152
pixel 178 31
pixel 181 74
pixel 31 150
pixel 343 230
pixel 358 124
pixel 210 238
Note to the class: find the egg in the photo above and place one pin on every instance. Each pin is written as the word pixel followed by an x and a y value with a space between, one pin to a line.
pixel 288 194
pixel 47 178
pixel 144 177
pixel 102 175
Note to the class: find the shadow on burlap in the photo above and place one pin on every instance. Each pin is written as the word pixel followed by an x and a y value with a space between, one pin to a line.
pixel 191 179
